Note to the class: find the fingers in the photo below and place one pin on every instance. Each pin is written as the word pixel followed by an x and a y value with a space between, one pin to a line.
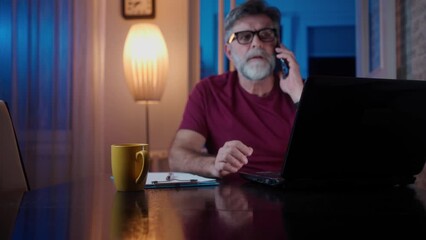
pixel 231 157
pixel 293 84
pixel 283 52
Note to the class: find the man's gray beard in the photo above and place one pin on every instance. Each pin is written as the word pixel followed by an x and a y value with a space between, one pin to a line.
pixel 256 71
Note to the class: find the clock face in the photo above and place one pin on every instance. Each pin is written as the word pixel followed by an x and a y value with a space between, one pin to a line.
pixel 138 8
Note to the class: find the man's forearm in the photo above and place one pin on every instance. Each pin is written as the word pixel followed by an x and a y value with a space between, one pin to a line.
pixel 191 161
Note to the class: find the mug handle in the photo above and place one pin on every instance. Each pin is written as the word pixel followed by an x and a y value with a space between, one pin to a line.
pixel 143 165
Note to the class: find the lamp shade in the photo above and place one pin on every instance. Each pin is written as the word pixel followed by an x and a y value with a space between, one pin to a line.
pixel 146 62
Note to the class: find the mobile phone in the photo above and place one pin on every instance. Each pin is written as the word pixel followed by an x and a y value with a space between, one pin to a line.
pixel 284 67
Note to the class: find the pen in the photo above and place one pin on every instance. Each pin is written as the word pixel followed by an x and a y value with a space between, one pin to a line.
pixel 170 176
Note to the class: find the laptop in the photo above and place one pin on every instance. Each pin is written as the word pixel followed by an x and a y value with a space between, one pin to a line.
pixel 361 131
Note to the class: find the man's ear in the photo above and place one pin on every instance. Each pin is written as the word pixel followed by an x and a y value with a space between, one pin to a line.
pixel 227 49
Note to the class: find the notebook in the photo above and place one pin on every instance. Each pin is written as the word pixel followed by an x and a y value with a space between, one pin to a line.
pixel 355 131
pixel 177 180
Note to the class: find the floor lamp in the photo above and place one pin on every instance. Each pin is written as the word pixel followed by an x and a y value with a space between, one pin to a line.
pixel 146 63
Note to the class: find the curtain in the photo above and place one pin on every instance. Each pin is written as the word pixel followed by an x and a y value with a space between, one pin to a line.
pixel 88 78
pixel 51 68
pixel 36 63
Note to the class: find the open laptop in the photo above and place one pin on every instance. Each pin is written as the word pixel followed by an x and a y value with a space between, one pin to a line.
pixel 355 131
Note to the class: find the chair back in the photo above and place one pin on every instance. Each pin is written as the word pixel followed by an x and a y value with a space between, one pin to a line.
pixel 12 172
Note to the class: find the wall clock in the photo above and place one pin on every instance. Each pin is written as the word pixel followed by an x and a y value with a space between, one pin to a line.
pixel 138 8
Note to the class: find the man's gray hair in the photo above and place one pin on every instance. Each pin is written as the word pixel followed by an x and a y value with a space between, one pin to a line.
pixel 251 8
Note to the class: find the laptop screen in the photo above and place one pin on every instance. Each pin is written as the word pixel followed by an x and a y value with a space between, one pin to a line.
pixel 358 128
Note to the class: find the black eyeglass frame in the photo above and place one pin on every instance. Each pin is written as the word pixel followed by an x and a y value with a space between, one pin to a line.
pixel 234 36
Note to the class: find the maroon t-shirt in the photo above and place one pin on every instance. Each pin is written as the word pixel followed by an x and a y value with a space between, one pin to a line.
pixel 221 110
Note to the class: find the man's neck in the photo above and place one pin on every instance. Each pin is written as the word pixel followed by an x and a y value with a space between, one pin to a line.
pixel 260 88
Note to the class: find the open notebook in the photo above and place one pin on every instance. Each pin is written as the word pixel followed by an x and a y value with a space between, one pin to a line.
pixel 355 131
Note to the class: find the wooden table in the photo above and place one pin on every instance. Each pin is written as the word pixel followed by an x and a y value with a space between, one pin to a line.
pixel 236 209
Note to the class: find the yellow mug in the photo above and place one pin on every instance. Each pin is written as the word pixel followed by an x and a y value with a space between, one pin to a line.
pixel 130 164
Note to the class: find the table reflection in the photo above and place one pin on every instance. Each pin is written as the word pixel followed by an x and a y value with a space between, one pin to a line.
pixel 129 216
pixel 9 207
pixel 197 213
pixel 231 211
pixel 93 209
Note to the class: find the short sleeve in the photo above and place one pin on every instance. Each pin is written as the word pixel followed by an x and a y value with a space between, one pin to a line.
pixel 194 116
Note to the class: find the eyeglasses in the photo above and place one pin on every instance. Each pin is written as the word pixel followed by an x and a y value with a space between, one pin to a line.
pixel 246 37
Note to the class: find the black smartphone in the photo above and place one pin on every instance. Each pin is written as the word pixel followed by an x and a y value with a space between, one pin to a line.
pixel 284 67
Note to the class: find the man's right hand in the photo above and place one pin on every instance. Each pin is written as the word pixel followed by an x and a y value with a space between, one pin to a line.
pixel 231 157
pixel 187 155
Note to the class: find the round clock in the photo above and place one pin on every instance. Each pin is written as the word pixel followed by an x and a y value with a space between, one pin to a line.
pixel 138 8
